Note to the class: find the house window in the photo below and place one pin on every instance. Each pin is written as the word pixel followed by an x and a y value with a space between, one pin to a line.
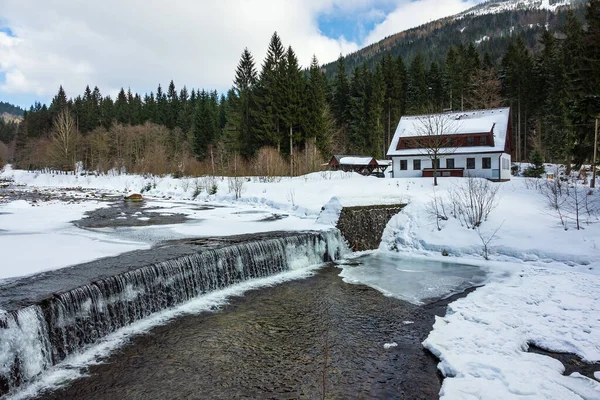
pixel 470 141
pixel 470 163
pixel 505 164
pixel 483 140
pixel 403 165
pixel 435 163
pixel 417 165
pixel 486 163
pixel 450 163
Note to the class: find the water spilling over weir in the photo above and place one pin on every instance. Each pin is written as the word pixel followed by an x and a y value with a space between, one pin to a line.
pixel 46 317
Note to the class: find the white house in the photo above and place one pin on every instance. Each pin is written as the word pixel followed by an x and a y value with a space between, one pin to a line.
pixel 475 143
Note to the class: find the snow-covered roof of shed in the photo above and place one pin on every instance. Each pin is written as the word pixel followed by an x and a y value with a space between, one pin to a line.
pixel 384 162
pixel 355 160
pixel 462 122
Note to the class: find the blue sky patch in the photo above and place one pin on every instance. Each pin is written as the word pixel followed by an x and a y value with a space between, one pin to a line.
pixel 7 30
pixel 353 26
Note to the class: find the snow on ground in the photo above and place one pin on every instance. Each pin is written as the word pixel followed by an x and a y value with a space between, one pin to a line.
pixel 482 342
pixel 40 238
pixel 544 287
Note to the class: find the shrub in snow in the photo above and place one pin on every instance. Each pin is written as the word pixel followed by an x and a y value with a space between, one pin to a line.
pixel 436 208
pixel 197 188
pixel 210 185
pixel 570 201
pixel 474 199
pixel 236 186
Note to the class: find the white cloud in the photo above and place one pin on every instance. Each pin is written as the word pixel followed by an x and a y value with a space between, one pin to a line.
pixel 409 14
pixel 139 43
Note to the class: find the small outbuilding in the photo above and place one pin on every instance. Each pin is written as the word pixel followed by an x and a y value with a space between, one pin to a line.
pixel 363 165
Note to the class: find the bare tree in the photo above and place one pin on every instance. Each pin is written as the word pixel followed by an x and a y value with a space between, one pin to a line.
pixel 486 239
pixel 236 186
pixel 64 140
pixel 485 91
pixel 434 138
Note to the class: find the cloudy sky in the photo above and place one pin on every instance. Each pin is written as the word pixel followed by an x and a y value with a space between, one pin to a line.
pixel 140 43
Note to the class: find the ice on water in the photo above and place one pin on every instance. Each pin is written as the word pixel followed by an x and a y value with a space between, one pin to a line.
pixel 413 280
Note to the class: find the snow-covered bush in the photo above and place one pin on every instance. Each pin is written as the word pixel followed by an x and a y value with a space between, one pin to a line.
pixel 210 184
pixel 474 199
pixel 197 188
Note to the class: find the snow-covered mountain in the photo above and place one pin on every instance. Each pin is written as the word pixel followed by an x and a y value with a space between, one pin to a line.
pixel 498 6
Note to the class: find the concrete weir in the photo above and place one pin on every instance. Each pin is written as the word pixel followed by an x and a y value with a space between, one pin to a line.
pixel 46 317
pixel 363 226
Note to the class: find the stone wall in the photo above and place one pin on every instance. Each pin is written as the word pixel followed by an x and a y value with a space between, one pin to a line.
pixel 363 226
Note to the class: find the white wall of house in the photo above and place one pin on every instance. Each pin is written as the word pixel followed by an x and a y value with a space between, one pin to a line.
pixel 499 169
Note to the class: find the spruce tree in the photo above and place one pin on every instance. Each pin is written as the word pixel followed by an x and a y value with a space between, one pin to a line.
pixel 172 107
pixel 417 86
pixel 121 108
pixel 241 104
pixel 341 94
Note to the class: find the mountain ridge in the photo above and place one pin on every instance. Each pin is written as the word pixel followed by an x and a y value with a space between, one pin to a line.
pixel 490 25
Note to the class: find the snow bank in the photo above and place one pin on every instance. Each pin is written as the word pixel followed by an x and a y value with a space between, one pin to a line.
pixel 331 212
pixel 482 342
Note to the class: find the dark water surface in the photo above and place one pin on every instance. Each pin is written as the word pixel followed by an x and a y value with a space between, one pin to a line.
pixel 312 339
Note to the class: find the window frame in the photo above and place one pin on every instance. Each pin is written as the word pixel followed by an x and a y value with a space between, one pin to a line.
pixel 483 162
pixel 415 161
pixel 404 163
pixel 453 163
pixel 472 159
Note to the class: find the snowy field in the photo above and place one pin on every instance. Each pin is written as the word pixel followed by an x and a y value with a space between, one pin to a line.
pixel 543 289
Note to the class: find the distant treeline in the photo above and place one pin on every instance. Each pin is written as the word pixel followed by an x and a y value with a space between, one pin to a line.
pixel 553 93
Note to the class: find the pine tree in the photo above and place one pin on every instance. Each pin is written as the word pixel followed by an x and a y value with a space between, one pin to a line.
pixel 107 112
pixel 58 103
pixel 172 107
pixel 121 108
pixel 417 86
pixel 341 94
pixel 453 79
pixel 316 122
pixel 240 118
pixel 268 100
pixel 555 136
pixel 375 126
pixel 393 96
pixel 150 108
pixel 293 102
pixel 435 93
pixel 204 125
pixel 357 109
pixel 162 107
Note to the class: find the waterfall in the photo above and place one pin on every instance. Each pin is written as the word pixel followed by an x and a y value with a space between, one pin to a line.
pixel 38 336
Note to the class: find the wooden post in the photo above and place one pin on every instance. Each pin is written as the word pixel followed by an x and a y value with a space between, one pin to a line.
pixel 593 183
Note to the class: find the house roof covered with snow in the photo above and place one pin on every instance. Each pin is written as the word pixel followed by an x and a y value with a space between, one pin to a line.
pixel 491 121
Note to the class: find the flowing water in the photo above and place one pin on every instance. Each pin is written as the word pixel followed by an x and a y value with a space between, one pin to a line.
pixel 310 339
pixel 49 316
pixel 314 338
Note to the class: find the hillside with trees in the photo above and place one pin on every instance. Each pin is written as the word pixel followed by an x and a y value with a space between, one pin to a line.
pixel 278 118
